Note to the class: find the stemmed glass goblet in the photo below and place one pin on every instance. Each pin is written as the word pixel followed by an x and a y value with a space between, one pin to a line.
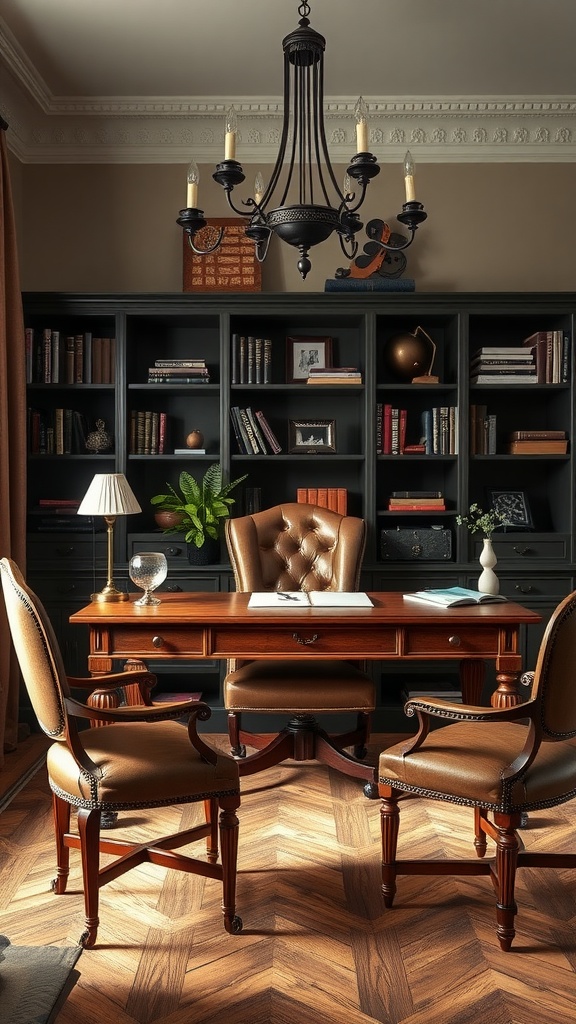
pixel 148 569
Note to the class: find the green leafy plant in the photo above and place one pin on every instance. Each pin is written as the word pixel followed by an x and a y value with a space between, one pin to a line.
pixel 482 522
pixel 201 506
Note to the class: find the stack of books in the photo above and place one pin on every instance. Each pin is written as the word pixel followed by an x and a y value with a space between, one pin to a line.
pixel 537 442
pixel 179 371
pixel 334 498
pixel 334 375
pixel 503 364
pixel 416 501
pixel 59 515
pixel 253 433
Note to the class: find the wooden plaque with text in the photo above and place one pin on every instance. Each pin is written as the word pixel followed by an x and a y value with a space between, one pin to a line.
pixel 233 267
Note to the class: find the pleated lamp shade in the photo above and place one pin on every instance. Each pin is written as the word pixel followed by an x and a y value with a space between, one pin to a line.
pixel 109 494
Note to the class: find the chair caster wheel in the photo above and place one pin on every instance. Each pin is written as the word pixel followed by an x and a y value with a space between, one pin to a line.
pixel 239 751
pixel 371 791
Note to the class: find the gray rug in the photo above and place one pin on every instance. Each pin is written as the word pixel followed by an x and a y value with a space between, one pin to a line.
pixel 35 981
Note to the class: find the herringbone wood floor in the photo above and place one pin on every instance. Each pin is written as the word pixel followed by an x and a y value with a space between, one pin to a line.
pixel 317 945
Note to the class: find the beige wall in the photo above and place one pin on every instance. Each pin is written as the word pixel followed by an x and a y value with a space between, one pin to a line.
pixel 491 227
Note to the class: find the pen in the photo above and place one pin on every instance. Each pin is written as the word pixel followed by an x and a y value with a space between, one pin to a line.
pixel 287 597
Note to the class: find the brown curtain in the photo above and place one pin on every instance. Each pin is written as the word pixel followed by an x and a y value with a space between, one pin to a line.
pixel 12 441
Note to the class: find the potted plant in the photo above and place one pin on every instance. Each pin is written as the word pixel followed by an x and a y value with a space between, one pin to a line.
pixel 200 508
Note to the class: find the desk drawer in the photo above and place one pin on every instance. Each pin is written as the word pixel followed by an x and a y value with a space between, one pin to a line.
pixel 452 641
pixel 307 640
pixel 152 642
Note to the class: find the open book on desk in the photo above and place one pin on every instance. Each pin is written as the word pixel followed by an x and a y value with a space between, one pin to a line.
pixel 453 597
pixel 306 599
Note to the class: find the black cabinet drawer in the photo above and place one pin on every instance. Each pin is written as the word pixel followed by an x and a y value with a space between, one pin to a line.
pixel 528 547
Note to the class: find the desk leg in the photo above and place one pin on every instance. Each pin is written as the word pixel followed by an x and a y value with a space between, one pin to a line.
pixel 472 681
pixel 506 694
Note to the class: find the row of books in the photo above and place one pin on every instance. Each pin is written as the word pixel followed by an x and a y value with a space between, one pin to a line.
pixel 334 498
pixel 251 360
pixel 53 358
pixel 551 351
pixel 179 371
pixel 416 501
pixel 57 432
pixel 334 375
pixel 438 431
pixel 253 433
pixel 482 431
pixel 147 432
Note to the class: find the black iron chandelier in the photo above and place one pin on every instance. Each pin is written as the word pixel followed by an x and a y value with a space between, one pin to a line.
pixel 302 203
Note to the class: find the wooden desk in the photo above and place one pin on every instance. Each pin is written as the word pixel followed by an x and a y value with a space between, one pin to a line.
pixel 208 625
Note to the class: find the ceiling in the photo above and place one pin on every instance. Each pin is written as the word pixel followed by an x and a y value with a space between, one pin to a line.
pixel 106 81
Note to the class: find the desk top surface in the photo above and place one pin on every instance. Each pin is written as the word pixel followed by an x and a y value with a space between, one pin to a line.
pixel 389 608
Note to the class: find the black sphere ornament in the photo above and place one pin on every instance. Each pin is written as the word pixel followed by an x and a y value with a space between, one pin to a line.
pixel 409 355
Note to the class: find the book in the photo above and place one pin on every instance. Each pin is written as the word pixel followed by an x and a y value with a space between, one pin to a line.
pixel 416 499
pixel 416 494
pixel 369 284
pixel 537 435
pixel 454 597
pixel 505 378
pixel 537 448
pixel 189 451
pixel 305 599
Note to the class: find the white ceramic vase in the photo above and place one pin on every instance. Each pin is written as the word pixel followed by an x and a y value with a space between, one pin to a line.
pixel 488 582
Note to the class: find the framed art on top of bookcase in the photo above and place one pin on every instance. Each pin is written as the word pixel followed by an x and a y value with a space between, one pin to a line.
pixel 232 267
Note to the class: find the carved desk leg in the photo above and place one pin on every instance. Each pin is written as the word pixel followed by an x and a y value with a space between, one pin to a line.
pixel 472 680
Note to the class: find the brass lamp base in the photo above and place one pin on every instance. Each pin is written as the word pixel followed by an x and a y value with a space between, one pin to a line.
pixel 109 594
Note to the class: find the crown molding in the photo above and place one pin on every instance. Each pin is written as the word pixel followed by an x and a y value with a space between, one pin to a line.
pixel 171 129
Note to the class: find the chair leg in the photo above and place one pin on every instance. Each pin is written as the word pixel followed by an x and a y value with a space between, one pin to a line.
pixel 89 830
pixel 61 816
pixel 229 847
pixel 507 847
pixel 363 726
pixel 234 725
pixel 211 812
pixel 480 815
pixel 390 822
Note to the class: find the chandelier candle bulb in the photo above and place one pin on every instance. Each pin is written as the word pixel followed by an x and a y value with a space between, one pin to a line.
pixel 230 135
pixel 192 180
pixel 409 178
pixel 259 187
pixel 361 112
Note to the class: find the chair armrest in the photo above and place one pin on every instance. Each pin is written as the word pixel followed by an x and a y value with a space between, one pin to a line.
pixel 436 707
pixel 139 713
pixel 145 681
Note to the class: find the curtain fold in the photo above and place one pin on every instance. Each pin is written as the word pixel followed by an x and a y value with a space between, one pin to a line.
pixel 12 442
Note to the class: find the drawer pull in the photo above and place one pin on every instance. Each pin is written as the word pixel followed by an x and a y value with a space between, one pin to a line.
pixel 157 641
pixel 524 588
pixel 174 589
pixel 454 641
pixel 173 552
pixel 521 550
pixel 305 643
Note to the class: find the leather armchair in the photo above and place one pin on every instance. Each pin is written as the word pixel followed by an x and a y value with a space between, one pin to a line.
pixel 502 763
pixel 143 759
pixel 298 547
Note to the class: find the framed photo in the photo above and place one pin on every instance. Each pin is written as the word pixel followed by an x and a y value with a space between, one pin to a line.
pixel 514 506
pixel 302 353
pixel 311 437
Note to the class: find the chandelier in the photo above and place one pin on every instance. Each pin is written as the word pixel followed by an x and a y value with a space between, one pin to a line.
pixel 302 204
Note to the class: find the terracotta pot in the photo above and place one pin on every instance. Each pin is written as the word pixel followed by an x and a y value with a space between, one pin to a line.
pixel 166 520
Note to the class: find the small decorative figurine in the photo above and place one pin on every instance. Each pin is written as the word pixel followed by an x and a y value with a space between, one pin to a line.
pixel 195 439
pixel 99 440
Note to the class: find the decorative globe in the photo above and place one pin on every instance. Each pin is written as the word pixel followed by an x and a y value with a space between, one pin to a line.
pixel 406 356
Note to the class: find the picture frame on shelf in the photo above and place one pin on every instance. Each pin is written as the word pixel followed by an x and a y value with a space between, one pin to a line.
pixel 311 437
pixel 515 507
pixel 302 353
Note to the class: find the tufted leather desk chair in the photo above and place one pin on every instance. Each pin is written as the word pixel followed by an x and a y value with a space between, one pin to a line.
pixel 297 547
pixel 502 762
pixel 142 759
